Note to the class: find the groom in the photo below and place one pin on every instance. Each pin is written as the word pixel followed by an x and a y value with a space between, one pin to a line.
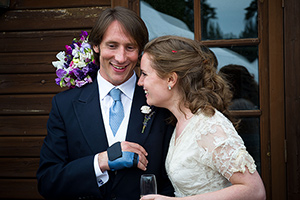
pixel 84 156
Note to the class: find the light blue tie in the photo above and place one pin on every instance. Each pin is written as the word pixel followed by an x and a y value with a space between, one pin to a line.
pixel 116 111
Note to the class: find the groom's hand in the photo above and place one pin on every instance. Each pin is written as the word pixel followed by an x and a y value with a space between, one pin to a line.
pixel 122 155
pixel 139 150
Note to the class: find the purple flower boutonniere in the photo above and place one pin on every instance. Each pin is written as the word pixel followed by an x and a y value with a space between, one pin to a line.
pixel 148 114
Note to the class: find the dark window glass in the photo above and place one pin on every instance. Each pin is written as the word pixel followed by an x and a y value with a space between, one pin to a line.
pixel 248 129
pixel 239 65
pixel 228 19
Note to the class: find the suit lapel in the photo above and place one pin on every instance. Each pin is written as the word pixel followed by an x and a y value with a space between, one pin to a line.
pixel 135 125
pixel 88 112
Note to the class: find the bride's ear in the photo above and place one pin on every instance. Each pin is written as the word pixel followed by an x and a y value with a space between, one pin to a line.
pixel 172 79
pixel 96 48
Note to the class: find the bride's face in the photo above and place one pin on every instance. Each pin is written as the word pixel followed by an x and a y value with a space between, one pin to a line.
pixel 156 88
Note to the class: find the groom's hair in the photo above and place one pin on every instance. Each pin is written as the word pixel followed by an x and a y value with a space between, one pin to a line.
pixel 131 22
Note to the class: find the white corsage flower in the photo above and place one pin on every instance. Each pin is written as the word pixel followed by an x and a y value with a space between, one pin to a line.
pixel 148 114
pixel 145 109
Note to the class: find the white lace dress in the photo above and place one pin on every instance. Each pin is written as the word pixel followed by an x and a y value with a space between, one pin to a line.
pixel 205 155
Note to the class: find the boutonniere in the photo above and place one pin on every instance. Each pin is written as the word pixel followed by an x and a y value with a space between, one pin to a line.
pixel 148 114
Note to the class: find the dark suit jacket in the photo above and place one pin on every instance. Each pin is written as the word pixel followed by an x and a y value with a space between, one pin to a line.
pixel 76 133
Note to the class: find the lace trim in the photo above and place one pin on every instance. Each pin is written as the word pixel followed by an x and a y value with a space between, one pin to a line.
pixel 225 147
pixel 242 161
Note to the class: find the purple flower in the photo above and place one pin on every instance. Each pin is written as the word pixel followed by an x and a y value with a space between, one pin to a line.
pixel 71 73
pixel 79 74
pixel 88 79
pixel 83 35
pixel 80 83
pixel 85 70
pixel 67 79
pixel 93 68
pixel 68 49
pixel 60 73
pixel 68 84
pixel 73 44
pixel 85 45
pixel 57 81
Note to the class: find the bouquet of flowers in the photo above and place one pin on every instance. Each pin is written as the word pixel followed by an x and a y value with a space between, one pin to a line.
pixel 75 66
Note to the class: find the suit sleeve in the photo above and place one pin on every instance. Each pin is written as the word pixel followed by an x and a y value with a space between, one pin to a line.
pixel 59 176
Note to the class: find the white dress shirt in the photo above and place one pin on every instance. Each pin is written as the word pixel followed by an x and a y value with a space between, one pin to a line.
pixel 106 102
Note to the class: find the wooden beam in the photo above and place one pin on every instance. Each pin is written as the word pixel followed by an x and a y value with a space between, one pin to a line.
pixel 292 94
pixel 29 83
pixel 29 146
pixel 23 125
pixel 131 4
pixel 276 91
pixel 18 167
pixel 50 19
pixel 19 189
pixel 33 4
pixel 263 47
pixel 123 3
pixel 36 41
pixel 39 104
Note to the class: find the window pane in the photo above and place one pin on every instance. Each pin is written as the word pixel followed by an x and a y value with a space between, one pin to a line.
pixel 248 129
pixel 228 19
pixel 239 65
pixel 168 17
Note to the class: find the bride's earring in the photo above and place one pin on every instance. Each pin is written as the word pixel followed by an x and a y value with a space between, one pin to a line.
pixel 169 87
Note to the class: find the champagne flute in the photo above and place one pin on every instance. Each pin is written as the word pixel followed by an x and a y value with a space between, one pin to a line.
pixel 148 184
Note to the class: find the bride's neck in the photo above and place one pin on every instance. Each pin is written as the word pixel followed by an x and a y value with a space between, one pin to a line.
pixel 183 117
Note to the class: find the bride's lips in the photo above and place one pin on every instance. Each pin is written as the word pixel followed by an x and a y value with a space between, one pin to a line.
pixel 146 92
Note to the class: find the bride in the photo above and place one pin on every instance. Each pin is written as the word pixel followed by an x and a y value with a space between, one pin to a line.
pixel 207 158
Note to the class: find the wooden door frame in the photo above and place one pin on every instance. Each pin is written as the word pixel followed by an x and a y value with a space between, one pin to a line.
pixel 275 55
pixel 292 94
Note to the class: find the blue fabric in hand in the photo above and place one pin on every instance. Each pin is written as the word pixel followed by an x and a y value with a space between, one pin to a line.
pixel 128 159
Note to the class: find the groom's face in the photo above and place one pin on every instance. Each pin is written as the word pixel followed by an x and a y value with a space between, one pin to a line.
pixel 118 54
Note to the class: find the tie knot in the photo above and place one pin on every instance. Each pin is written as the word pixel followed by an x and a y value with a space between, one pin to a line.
pixel 115 94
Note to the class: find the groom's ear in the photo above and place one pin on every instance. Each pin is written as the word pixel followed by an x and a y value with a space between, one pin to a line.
pixel 96 48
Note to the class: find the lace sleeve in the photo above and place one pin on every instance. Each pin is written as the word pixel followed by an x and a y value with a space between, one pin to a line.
pixel 225 149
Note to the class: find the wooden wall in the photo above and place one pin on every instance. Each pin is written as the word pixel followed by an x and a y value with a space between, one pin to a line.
pixel 31 34
pixel 292 96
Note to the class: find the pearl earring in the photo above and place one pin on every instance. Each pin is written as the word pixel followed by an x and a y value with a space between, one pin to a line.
pixel 169 87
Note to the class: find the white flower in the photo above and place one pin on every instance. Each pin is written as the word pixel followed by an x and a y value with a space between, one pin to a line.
pixel 80 64
pixel 61 57
pixel 145 109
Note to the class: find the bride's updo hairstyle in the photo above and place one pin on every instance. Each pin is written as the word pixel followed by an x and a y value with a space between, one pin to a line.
pixel 195 65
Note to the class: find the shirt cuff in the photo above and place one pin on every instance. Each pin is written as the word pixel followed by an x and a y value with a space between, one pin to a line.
pixel 102 177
